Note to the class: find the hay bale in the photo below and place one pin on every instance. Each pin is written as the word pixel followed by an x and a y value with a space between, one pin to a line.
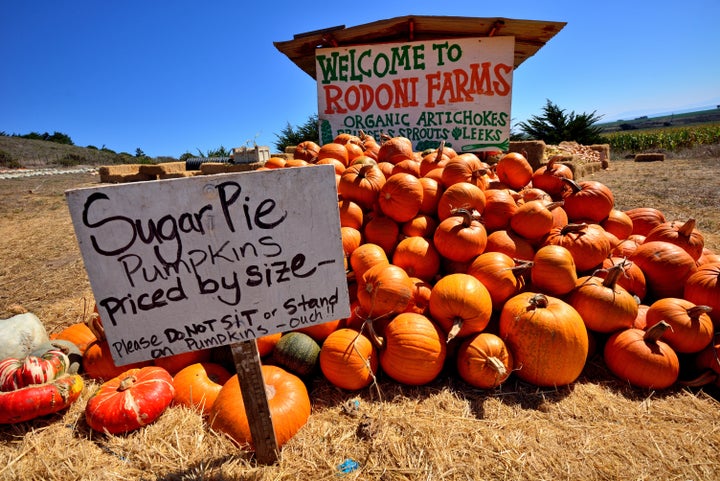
pixel 533 150
pixel 179 175
pixel 652 157
pixel 114 174
pixel 603 149
pixel 209 168
pixel 163 168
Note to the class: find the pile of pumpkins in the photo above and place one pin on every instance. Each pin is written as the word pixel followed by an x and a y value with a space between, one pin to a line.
pixel 482 267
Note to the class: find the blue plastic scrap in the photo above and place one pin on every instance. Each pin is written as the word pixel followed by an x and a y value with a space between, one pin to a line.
pixel 348 466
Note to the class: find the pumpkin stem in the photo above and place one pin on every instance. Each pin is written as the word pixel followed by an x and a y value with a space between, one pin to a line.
pixel 467 215
pixel 687 228
pixel 554 205
pixel 573 228
pixel 537 301
pixel 498 366
pixel 695 312
pixel 440 148
pixel 573 185
pixel 654 333
pixel 455 329
pixel 614 273
pixel 126 383
pixel 378 341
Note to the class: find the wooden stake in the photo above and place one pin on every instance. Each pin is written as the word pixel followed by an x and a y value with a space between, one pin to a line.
pixel 257 409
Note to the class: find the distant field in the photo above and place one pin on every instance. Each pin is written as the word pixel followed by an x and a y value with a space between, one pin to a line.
pixel 674 120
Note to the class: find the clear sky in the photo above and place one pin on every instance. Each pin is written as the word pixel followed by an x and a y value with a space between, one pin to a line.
pixel 175 76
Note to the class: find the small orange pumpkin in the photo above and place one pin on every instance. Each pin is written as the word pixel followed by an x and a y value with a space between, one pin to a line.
pixel 460 304
pixel 484 361
pixel 198 385
pixel 348 359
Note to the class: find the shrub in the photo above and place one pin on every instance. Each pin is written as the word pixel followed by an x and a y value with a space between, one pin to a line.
pixel 7 161
pixel 70 160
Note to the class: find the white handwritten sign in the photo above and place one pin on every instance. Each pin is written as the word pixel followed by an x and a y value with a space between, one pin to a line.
pixel 187 264
pixel 455 90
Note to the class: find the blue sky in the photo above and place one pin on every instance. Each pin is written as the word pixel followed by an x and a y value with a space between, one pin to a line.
pixel 176 76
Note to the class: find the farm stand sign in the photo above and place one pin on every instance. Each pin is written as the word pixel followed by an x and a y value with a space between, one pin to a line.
pixel 187 264
pixel 454 90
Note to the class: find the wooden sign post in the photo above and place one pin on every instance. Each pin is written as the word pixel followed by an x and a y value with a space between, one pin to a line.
pixel 189 264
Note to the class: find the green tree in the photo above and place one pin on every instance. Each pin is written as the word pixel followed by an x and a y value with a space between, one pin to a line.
pixel 294 135
pixel 555 126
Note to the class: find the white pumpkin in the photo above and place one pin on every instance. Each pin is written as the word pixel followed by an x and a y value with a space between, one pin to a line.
pixel 20 335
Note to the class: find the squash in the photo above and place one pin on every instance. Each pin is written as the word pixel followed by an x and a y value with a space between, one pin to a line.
pixel 79 334
pixel 297 352
pixel 20 335
pixel 135 398
pixel 40 400
pixel 460 304
pixel 288 401
pixel 19 373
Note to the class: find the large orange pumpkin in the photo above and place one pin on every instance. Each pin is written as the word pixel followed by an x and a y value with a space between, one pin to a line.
pixel 703 288
pixel 547 337
pixel 553 270
pixel 691 328
pixel 288 401
pixel 500 274
pixel 514 170
pixel 666 267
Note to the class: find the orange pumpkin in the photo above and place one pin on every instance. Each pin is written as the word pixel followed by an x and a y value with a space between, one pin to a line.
pixel 466 168
pixel 79 334
pixel 418 257
pixel 644 219
pixel 307 150
pixel 460 304
pixel 421 225
pixel 703 288
pixel 684 235
pixel 666 267
pixel 361 183
pixel 176 362
pixel 510 243
pixel 618 223
pixel 500 274
pixel 691 328
pixel 287 398
pixel 384 289
pixel 514 170
pixel 587 243
pixel 604 305
pixel 641 358
pixel 547 337
pixel 348 359
pixel 549 177
pixel 351 214
pixel 366 256
pixel 588 200
pixel 553 270
pixel 461 196
pixel 500 206
pixel 383 231
pixel 484 361
pixel 400 198
pixel 413 349
pixel 460 237
pixel 198 385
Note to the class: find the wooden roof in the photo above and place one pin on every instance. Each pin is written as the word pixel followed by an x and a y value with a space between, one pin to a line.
pixel 530 35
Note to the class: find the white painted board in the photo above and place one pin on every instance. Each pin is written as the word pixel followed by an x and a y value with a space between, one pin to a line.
pixel 187 264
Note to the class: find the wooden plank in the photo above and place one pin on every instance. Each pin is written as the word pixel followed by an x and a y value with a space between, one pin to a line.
pixel 257 409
